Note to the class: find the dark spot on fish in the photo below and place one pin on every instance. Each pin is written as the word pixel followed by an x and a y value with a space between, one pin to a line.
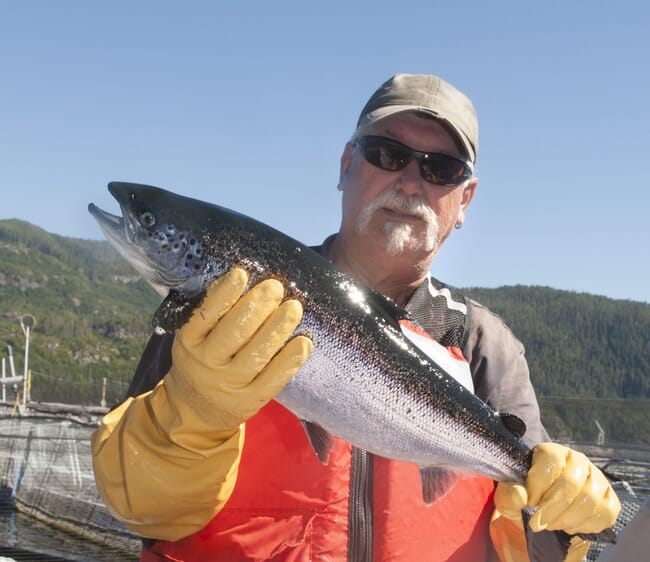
pixel 197 266
pixel 192 241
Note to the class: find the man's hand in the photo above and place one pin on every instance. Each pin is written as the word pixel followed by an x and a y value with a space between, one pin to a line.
pixel 234 355
pixel 569 493
pixel 166 461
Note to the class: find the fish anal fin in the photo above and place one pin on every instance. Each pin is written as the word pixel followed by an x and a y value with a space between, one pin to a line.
pixel 436 482
pixel 321 441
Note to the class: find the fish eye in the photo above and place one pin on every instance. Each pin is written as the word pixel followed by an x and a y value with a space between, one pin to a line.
pixel 147 219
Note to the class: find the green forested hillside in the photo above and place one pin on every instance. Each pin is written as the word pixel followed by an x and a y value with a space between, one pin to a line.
pixel 93 316
pixel 589 358
pixel 578 345
pixel 92 312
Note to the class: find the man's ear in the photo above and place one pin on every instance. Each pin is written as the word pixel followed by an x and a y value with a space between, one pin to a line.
pixel 468 194
pixel 346 162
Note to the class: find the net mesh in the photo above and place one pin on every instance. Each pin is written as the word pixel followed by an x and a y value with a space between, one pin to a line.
pixel 48 500
pixel 50 509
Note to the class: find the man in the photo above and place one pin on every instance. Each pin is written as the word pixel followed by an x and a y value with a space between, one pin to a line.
pixel 204 464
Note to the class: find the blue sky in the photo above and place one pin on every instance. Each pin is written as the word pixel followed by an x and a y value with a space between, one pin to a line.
pixel 249 104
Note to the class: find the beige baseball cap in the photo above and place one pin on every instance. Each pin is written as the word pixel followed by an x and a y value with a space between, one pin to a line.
pixel 427 94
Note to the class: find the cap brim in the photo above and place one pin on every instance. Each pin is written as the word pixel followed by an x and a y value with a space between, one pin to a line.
pixel 387 111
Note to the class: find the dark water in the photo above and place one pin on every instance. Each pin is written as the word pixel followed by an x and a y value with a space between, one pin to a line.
pixel 27 535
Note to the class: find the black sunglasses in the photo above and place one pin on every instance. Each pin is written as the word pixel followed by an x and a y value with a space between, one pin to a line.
pixel 435 167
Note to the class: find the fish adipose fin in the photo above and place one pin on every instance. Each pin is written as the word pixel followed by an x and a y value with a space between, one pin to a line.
pixel 552 546
pixel 436 482
pixel 321 441
pixel 513 424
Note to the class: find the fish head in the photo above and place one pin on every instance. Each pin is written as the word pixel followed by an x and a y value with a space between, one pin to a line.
pixel 158 234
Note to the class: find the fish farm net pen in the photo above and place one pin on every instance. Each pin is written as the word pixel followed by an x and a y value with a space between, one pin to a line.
pixel 50 509
pixel 49 506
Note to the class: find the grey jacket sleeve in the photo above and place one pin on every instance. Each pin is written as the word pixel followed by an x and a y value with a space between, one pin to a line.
pixel 500 371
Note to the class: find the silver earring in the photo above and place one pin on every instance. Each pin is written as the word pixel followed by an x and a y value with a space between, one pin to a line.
pixel 458 225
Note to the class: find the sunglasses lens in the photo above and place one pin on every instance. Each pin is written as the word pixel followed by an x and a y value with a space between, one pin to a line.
pixel 384 154
pixel 391 155
pixel 443 170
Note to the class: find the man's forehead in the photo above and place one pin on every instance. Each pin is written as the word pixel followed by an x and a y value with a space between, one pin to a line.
pixel 414 120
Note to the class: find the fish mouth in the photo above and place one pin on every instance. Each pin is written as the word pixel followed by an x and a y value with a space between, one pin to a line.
pixel 118 229
pixel 122 234
pixel 111 225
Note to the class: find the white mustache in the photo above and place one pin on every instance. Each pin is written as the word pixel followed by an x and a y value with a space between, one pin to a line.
pixel 399 234
pixel 397 202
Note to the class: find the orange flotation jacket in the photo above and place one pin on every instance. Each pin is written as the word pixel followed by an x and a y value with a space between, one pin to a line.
pixel 289 507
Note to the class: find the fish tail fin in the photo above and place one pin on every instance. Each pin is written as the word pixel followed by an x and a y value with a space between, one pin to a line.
pixel 552 546
pixel 608 536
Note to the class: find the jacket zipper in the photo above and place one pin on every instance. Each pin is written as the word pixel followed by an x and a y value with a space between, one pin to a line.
pixel 360 507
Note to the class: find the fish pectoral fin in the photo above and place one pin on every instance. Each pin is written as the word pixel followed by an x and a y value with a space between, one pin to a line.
pixel 436 482
pixel 321 441
pixel 175 310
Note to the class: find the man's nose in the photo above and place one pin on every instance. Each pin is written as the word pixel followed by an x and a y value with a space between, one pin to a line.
pixel 410 180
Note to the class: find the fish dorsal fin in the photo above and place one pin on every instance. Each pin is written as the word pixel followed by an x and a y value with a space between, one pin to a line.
pixel 436 482
pixel 321 441
pixel 513 424
pixel 391 312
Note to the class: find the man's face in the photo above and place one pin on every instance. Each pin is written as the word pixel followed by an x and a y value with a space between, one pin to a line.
pixel 399 210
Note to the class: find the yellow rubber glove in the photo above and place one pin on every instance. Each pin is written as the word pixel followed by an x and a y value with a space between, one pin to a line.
pixel 570 494
pixel 166 461
pixel 230 359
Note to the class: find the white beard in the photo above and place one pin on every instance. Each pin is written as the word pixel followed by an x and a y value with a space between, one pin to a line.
pixel 401 236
